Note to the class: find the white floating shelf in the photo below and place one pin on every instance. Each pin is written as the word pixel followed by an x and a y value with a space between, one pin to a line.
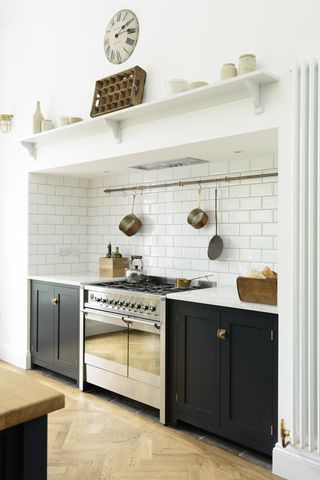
pixel 243 86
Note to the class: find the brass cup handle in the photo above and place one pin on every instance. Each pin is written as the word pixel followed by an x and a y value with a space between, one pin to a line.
pixel 222 334
pixel 54 301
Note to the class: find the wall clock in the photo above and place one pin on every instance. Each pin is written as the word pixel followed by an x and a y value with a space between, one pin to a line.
pixel 121 36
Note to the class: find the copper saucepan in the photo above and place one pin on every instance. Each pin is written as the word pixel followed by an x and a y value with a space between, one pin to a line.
pixel 186 282
pixel 197 218
pixel 130 224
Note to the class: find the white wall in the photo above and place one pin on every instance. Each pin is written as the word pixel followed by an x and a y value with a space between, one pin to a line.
pixel 54 53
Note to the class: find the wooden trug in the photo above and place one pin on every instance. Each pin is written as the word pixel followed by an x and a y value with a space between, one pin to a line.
pixel 258 290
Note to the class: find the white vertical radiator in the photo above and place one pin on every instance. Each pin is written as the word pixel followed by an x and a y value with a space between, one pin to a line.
pixel 306 261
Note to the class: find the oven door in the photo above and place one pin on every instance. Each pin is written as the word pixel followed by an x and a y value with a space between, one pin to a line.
pixel 106 342
pixel 144 351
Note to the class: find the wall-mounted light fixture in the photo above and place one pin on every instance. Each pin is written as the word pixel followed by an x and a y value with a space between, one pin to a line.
pixel 5 122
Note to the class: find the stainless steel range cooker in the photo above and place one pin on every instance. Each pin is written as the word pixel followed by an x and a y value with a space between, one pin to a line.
pixel 123 338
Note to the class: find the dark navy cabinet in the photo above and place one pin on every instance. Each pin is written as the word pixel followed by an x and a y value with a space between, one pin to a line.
pixel 222 372
pixel 55 327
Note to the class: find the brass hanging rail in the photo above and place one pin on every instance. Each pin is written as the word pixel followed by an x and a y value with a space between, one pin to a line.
pixel 183 183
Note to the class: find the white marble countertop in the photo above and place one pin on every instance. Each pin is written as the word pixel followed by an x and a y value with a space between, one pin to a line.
pixel 75 279
pixel 221 296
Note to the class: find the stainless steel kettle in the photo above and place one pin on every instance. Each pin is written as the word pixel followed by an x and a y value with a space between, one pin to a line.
pixel 136 274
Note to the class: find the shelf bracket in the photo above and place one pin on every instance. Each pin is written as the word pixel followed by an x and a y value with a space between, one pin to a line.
pixel 32 148
pixel 255 90
pixel 115 127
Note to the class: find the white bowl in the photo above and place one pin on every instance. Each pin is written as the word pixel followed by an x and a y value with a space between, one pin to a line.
pixel 197 85
pixel 176 86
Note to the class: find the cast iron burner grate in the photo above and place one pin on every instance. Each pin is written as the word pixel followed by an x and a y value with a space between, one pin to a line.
pixel 147 287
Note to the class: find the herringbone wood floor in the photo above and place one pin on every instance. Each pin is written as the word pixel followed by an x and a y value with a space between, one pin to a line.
pixel 97 440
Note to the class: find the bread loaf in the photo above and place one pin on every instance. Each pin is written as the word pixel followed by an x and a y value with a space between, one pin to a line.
pixel 268 273
pixel 255 274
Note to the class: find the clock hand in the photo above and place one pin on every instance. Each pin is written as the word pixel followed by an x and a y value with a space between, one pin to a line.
pixel 124 26
pixel 130 30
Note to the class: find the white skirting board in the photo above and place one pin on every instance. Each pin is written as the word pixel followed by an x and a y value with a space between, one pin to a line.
pixel 295 464
pixel 19 358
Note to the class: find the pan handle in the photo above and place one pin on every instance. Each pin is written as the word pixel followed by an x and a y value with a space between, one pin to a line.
pixel 133 202
pixel 216 209
pixel 199 198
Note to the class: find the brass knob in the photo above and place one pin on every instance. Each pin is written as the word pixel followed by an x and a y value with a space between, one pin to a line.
pixel 222 334
pixel 54 301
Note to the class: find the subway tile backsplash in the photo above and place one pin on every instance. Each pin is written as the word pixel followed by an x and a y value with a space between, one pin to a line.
pixel 75 214
pixel 58 219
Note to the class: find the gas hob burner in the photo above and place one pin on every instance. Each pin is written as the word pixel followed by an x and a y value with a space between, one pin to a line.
pixel 152 285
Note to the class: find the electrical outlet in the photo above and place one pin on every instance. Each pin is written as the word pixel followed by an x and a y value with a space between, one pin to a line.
pixel 64 251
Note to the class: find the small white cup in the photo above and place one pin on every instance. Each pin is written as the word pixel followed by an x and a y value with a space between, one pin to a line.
pixel 62 121
pixel 176 85
pixel 46 124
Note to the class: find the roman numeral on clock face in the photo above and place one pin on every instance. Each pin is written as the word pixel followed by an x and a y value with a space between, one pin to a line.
pixel 129 41
pixel 118 16
pixel 118 56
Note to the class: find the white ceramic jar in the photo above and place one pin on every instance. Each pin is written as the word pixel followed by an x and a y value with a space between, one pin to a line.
pixel 228 70
pixel 247 63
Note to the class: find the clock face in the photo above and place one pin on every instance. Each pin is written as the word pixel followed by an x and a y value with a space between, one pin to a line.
pixel 121 36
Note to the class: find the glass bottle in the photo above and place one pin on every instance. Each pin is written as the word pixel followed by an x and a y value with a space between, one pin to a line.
pixel 37 119
pixel 117 254
pixel 109 253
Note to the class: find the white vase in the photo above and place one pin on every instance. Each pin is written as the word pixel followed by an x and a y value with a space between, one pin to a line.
pixel 37 119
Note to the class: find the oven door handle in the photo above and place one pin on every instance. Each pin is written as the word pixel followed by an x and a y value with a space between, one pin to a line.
pixel 145 322
pixel 127 320
pixel 107 315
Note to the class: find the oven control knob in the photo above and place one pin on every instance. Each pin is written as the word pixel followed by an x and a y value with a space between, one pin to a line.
pixel 152 308
pixel 137 306
pixel 114 302
pixel 131 305
pixel 145 307
pixel 91 296
pixel 120 303
pixel 104 300
pixel 126 304
pixel 108 302
pixel 98 299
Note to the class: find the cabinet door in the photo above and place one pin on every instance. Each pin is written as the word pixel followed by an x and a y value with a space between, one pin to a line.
pixel 42 320
pixel 198 364
pixel 247 367
pixel 66 331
